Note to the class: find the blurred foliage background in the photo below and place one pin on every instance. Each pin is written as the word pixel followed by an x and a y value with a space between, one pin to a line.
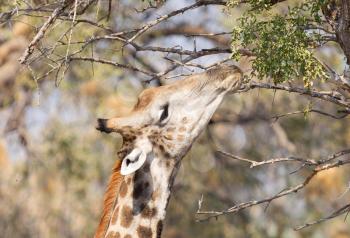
pixel 54 165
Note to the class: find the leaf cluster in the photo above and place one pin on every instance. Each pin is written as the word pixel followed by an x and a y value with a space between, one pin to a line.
pixel 282 44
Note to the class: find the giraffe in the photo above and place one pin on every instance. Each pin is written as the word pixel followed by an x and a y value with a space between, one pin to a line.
pixel 156 135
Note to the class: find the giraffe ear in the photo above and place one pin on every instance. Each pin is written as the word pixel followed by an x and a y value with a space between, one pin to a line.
pixel 133 161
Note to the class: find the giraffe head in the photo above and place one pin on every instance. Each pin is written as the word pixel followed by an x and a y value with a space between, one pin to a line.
pixel 156 135
pixel 167 119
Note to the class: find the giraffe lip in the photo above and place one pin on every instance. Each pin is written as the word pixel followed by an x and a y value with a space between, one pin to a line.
pixel 102 125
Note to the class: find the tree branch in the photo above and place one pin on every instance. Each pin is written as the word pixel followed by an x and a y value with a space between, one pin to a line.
pixel 333 96
pixel 317 166
pixel 42 30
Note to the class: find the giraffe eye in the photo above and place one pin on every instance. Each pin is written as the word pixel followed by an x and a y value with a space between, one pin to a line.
pixel 164 113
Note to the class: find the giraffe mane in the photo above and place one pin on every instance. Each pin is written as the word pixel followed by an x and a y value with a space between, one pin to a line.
pixel 109 199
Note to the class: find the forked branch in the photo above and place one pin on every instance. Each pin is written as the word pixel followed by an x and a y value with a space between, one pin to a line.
pixel 316 166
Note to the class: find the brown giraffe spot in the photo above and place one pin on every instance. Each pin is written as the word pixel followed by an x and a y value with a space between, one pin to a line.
pixel 159 228
pixel 127 236
pixel 126 134
pixel 182 129
pixel 117 235
pixel 138 133
pixel 180 137
pixel 127 128
pixel 170 145
pixel 144 232
pixel 128 181
pixel 152 141
pixel 148 212
pixel 121 154
pixel 111 234
pixel 126 216
pixel 115 215
pixel 130 137
pixel 168 136
pixel 161 147
pixel 154 131
pixel 123 189
pixel 155 195
pixel 167 155
pixel 167 163
pixel 170 129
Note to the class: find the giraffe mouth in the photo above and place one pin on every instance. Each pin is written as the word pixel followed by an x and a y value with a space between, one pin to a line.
pixel 133 161
pixel 102 126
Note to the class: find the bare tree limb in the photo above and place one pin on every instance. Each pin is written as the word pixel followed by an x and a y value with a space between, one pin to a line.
pixel 326 96
pixel 318 166
pixel 116 64
pixel 339 212
pixel 276 117
pixel 174 13
pixel 271 161
pixel 42 31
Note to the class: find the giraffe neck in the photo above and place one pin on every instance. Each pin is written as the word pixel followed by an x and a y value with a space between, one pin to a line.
pixel 141 203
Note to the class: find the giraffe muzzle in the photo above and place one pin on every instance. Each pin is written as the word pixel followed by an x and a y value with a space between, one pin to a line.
pixel 102 126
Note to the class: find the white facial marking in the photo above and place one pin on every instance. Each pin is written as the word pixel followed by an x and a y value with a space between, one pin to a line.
pixel 133 161
pixel 137 156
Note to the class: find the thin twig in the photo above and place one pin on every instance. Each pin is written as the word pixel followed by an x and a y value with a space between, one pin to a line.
pixel 29 50
pixel 270 161
pixel 312 93
pixel 276 117
pixel 342 210
pixel 318 166
pixel 116 64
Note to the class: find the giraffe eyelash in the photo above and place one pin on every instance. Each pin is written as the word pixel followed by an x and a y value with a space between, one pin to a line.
pixel 165 113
